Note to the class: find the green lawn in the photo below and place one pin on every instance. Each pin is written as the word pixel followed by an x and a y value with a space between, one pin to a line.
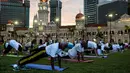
pixel 115 63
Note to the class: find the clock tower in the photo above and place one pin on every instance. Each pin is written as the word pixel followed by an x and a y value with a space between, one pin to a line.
pixel 43 12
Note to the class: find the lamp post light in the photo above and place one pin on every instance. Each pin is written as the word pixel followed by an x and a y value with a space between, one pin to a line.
pixel 35 21
pixel 16 22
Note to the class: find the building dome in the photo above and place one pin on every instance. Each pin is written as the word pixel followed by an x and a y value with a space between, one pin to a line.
pixel 125 17
pixel 44 0
pixel 79 16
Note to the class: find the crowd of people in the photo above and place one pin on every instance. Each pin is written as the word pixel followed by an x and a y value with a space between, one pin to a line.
pixel 60 49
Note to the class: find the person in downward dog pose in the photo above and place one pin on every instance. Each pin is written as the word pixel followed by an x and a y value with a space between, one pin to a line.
pixel 91 45
pixel 12 44
pixel 77 50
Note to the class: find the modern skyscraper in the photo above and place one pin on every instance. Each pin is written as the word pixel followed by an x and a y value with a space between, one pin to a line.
pixel 129 7
pixel 55 11
pixel 15 11
pixel 90 11
pixel 116 8
pixel 26 12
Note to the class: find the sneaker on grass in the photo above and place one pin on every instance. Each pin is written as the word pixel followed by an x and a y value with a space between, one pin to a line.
pixel 16 67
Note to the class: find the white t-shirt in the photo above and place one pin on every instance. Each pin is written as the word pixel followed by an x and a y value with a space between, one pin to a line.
pixel 6 45
pixel 53 50
pixel 62 40
pixel 102 47
pixel 114 47
pixel 28 44
pixel 43 45
pixel 14 44
pixel 107 45
pixel 79 47
pixel 118 46
pixel 92 45
pixel 73 52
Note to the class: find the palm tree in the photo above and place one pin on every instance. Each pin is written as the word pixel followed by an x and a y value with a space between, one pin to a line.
pixel 72 31
pixel 127 28
pixel 99 35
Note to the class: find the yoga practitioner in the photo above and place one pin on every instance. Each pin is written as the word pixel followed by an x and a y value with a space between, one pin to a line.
pixel 12 44
pixel 77 50
pixel 53 50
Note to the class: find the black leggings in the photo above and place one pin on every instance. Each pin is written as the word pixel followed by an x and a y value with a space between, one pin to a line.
pixel 9 49
pixel 38 54
pixel 20 48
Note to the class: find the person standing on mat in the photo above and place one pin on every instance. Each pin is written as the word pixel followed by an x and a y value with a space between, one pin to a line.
pixel 77 50
pixel 12 44
pixel 43 51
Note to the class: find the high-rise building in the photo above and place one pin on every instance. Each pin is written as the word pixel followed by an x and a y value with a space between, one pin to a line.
pixel 16 11
pixel 129 7
pixel 116 8
pixel 55 11
pixel 90 11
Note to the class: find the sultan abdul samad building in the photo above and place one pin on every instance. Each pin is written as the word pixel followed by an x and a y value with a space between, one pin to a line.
pixel 116 30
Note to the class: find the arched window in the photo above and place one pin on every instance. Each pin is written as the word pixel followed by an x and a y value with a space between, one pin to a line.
pixel 121 32
pixel 93 33
pixel 112 32
pixel 106 32
pixel 90 33
pixel 126 31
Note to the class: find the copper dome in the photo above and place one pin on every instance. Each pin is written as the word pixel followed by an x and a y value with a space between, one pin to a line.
pixel 44 0
pixel 79 16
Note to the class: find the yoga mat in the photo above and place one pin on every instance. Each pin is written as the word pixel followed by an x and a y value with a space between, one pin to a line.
pixel 95 56
pixel 42 67
pixel 75 60
pixel 14 55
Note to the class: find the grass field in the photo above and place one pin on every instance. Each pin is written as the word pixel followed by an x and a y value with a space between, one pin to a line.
pixel 115 63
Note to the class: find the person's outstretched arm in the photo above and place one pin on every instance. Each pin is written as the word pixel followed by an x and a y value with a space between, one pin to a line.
pixel 59 61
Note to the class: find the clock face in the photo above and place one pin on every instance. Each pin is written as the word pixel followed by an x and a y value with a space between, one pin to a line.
pixel 44 8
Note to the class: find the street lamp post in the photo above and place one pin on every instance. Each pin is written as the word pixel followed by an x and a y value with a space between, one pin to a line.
pixel 14 32
pixel 110 16
pixel 57 28
pixel 35 21
pixel 11 29
pixel 83 26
